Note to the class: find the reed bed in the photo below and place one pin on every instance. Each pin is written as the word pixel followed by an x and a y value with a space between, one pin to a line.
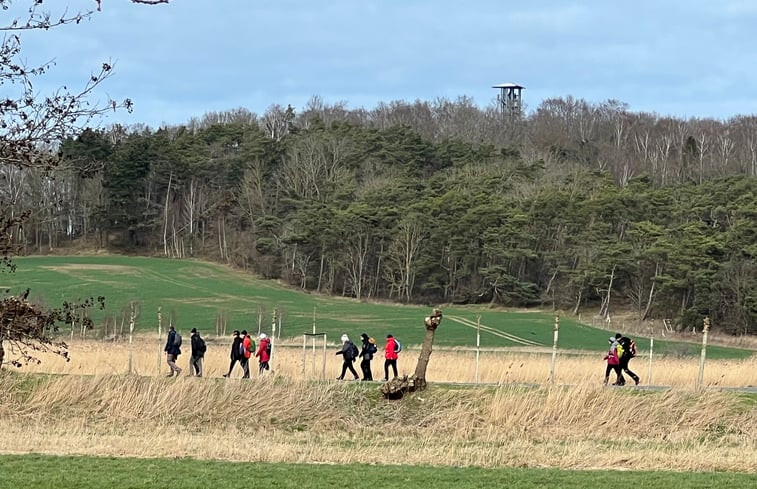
pixel 275 419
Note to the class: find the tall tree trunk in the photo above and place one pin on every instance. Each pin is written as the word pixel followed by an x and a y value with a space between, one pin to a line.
pixel 320 269
pixel 650 299
pixel 578 302
pixel 2 353
pixel 165 216
pixel 604 310
pixel 399 386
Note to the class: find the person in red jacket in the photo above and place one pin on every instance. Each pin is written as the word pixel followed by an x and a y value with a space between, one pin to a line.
pixel 246 353
pixel 264 352
pixel 390 355
pixel 613 363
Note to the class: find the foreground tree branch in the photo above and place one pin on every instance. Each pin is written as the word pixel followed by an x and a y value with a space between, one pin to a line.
pixel 32 127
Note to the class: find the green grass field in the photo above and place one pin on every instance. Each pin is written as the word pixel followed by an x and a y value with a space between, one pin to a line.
pixel 194 293
pixel 35 471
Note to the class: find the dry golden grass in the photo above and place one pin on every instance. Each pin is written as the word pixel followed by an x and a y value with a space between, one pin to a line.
pixel 280 420
pixel 287 417
pixel 505 366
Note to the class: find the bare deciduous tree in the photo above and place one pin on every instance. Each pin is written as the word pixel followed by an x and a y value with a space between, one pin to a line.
pixel 31 128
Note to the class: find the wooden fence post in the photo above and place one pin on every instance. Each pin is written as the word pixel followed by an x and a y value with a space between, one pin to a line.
pixel 700 378
pixel 478 344
pixel 131 336
pixel 554 351
pixel 651 350
pixel 160 334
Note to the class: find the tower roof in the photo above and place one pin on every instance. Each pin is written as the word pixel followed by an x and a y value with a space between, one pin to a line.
pixel 508 85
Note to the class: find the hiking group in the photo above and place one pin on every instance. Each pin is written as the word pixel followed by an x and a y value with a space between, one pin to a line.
pixel 622 350
pixel 242 348
pixel 350 353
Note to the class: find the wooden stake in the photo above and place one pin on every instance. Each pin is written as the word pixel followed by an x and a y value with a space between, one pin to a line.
pixel 478 343
pixel 700 378
pixel 554 351
pixel 160 334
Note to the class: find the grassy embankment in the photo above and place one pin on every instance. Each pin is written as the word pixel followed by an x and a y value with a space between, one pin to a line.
pixel 278 420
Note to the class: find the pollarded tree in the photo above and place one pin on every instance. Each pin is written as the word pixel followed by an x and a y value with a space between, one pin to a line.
pixel 399 386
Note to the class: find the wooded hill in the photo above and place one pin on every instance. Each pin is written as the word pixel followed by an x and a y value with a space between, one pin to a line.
pixel 574 205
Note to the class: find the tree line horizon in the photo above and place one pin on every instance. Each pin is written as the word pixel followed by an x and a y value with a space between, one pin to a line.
pixel 573 206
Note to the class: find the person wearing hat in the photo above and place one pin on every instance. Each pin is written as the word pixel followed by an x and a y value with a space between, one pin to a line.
pixel 366 353
pixel 613 362
pixel 349 353
pixel 198 353
pixel 236 352
pixel 390 356
pixel 264 353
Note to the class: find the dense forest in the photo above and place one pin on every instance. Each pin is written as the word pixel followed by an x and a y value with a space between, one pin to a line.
pixel 573 206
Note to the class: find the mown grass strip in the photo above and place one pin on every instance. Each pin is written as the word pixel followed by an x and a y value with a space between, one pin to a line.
pixel 41 471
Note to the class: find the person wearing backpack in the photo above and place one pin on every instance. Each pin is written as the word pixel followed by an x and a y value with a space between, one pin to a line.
pixel 173 350
pixel 613 363
pixel 629 351
pixel 264 353
pixel 390 356
pixel 236 351
pixel 349 354
pixel 366 353
pixel 198 353
pixel 245 353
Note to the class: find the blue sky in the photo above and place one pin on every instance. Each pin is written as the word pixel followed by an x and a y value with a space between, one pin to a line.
pixel 682 58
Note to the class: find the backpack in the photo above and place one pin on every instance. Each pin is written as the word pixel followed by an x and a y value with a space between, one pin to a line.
pixel 397 346
pixel 632 348
pixel 268 348
pixel 629 346
pixel 201 347
pixel 372 347
pixel 353 351
pixel 176 339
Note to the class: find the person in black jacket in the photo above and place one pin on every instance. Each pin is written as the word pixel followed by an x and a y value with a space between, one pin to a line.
pixel 198 353
pixel 349 353
pixel 625 342
pixel 366 353
pixel 236 352
pixel 173 351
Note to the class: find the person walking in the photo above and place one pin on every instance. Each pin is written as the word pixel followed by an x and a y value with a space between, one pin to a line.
pixel 264 353
pixel 244 357
pixel 198 353
pixel 390 356
pixel 173 350
pixel 236 352
pixel 629 351
pixel 366 353
pixel 349 353
pixel 613 363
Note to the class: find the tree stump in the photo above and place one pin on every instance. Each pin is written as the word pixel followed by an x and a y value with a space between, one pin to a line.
pixel 399 386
